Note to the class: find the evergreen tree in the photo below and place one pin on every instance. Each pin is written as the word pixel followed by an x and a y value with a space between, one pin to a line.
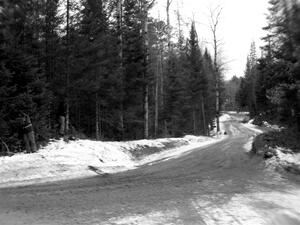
pixel 211 93
pixel 231 88
pixel 24 88
pixel 276 81
pixel 247 93
pixel 94 74
pixel 197 84
pixel 134 67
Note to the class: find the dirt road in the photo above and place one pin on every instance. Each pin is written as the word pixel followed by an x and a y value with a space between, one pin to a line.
pixel 218 184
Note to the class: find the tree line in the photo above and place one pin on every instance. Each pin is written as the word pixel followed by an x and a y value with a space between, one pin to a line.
pixel 271 86
pixel 121 73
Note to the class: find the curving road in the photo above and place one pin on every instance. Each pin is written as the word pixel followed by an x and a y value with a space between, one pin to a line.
pixel 218 184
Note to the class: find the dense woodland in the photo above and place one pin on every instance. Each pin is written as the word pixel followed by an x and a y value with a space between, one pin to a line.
pixel 231 88
pixel 121 73
pixel 270 88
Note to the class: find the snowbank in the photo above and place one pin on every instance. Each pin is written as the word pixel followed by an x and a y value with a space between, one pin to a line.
pixel 225 117
pixel 252 127
pixel 287 159
pixel 60 160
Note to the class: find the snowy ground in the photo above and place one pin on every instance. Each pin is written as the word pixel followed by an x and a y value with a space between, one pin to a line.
pixel 284 157
pixel 60 160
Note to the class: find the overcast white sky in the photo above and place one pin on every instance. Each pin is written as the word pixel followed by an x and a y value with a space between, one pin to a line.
pixel 241 23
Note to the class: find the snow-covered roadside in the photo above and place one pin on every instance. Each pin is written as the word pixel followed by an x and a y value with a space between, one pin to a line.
pixel 286 159
pixel 193 142
pixel 277 157
pixel 253 127
pixel 60 160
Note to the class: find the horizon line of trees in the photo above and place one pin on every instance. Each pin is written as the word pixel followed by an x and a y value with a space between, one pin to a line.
pixel 117 69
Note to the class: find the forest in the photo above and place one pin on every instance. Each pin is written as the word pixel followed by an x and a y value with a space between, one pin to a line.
pixel 270 87
pixel 120 73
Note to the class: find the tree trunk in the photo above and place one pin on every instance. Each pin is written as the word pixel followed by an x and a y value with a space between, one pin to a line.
pixel 203 115
pixel 68 70
pixel 49 47
pixel 49 53
pixel 146 91
pixel 215 17
pixel 161 70
pixel 156 98
pixel 217 105
pixel 298 107
pixel 194 122
pixel 97 117
pixel 122 121
pixel 217 83
pixel 28 136
pixel 146 119
pixel 161 76
pixel 120 25
pixel 169 50
pixel 77 113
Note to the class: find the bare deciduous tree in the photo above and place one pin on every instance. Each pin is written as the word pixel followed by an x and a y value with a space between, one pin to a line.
pixel 214 23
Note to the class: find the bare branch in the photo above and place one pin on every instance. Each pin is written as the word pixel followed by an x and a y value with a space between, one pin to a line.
pixel 218 17
pixel 214 22
pixel 151 4
pixel 169 2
